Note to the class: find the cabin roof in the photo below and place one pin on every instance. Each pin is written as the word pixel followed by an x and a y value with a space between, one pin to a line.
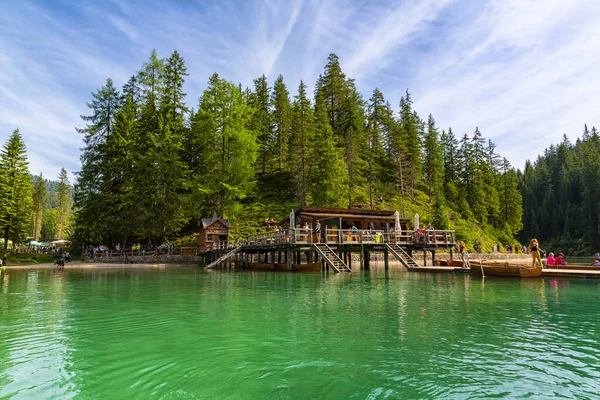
pixel 346 212
pixel 206 222
pixel 356 214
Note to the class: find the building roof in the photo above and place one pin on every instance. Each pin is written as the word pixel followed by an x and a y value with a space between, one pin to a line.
pixel 345 211
pixel 206 222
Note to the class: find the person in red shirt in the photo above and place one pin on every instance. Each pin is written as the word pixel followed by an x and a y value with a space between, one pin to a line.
pixel 558 260
pixel 550 261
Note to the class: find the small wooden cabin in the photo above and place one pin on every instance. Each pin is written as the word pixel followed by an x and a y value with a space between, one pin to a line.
pixel 214 233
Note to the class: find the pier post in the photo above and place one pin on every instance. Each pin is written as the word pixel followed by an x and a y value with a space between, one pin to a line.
pixel 362 259
pixel 288 260
pixel 367 259
pixel 386 260
pixel 433 257
pixel 424 258
pixel 273 259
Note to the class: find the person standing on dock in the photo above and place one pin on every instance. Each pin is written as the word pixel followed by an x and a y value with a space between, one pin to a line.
pixel 318 231
pixel 463 254
pixel 534 249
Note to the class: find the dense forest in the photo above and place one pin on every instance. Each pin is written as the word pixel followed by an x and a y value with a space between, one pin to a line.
pixel 152 167
pixel 31 208
pixel 561 195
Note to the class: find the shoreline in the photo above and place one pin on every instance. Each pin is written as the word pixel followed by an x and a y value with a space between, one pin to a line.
pixel 83 265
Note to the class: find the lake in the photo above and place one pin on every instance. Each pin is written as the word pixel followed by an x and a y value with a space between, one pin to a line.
pixel 178 332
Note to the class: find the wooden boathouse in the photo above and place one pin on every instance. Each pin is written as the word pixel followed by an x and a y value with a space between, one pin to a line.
pixel 318 238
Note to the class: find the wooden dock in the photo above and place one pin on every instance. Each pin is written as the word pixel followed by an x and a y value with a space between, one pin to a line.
pixel 334 248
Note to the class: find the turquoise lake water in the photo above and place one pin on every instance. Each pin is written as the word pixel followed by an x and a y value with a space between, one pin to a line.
pixel 180 333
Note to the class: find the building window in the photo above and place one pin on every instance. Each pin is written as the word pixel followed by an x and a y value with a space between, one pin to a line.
pixel 209 238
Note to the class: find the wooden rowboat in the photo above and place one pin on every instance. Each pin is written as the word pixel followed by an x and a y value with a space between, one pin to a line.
pixel 505 269
pixel 579 267
pixel 449 263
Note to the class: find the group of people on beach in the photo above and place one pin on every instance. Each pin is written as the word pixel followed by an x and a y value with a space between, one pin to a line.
pixel 535 251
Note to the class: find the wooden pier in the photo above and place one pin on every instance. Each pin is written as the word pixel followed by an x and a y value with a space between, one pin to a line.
pixel 323 238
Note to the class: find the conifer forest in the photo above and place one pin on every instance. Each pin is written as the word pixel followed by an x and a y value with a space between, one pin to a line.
pixel 154 163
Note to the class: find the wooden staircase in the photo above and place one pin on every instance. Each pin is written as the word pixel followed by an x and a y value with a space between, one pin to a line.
pixel 331 258
pixel 223 258
pixel 402 256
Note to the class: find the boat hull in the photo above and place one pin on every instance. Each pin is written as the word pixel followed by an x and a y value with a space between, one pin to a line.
pixel 578 267
pixel 449 263
pixel 505 269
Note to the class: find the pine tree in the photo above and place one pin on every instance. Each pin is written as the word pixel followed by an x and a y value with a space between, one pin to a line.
pixel 378 130
pixel 302 131
pixel 410 141
pixel 512 204
pixel 280 101
pixel 15 184
pixel 262 121
pixel 451 166
pixel 330 176
pixel 355 140
pixel 64 205
pixel 335 93
pixel 433 165
pixel 90 201
pixel 40 194
pixel 225 174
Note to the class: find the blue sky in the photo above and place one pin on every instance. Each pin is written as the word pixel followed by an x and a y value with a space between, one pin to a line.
pixel 524 72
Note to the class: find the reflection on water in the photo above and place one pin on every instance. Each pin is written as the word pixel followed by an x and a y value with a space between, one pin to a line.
pixel 182 333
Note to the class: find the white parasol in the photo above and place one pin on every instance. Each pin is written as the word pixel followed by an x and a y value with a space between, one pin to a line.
pixel 397 221
pixel 416 221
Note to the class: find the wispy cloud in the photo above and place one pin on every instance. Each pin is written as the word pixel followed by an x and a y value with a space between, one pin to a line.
pixel 523 71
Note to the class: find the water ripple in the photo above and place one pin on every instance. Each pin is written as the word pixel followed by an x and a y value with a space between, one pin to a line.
pixel 177 333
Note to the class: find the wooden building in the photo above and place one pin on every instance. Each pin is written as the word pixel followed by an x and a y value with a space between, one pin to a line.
pixel 214 233
pixel 346 218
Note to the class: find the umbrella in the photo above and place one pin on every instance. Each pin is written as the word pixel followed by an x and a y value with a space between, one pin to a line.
pixel 397 221
pixel 416 221
pixel 35 243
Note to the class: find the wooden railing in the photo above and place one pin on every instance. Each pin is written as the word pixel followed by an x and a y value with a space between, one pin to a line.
pixel 348 236
pixel 306 236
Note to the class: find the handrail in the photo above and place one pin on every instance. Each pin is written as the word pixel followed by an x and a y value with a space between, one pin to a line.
pixel 309 236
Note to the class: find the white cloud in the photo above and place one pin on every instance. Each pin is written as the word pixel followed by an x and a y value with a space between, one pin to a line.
pixel 523 71
pixel 527 80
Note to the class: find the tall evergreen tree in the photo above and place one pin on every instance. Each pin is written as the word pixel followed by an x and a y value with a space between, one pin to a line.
pixel 64 205
pixel 410 139
pixel 39 197
pixel 302 131
pixel 94 175
pixel 330 176
pixel 280 101
pixel 262 121
pixel 228 147
pixel 378 129
pixel 15 185
pixel 433 165
pixel 451 165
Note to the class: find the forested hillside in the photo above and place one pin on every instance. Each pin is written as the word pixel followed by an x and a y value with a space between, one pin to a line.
pixel 152 167
pixel 561 195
